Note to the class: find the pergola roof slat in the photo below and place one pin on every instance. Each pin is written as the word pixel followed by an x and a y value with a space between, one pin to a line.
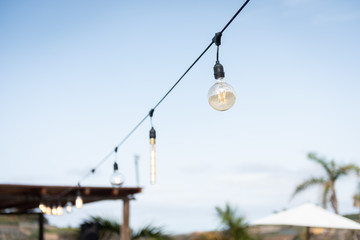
pixel 27 197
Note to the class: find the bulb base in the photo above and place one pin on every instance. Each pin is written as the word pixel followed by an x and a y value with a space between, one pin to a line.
pixel 219 71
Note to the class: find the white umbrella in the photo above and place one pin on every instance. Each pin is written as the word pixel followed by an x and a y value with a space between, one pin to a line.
pixel 309 215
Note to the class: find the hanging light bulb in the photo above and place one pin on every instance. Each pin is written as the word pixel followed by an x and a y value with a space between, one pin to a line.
pixel 78 200
pixel 54 210
pixel 152 156
pixel 68 206
pixel 59 210
pixel 221 95
pixel 117 179
pixel 48 210
pixel 42 207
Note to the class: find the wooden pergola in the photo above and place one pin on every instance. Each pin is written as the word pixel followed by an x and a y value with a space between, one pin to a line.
pixel 26 198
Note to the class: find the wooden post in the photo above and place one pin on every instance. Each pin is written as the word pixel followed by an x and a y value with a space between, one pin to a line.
pixel 307 233
pixel 125 228
pixel 41 226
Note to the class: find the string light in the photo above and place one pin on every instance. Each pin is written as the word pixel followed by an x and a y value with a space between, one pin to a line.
pixel 152 156
pixel 59 210
pixel 42 207
pixel 117 179
pixel 136 158
pixel 152 150
pixel 54 210
pixel 221 95
pixel 68 206
pixel 48 210
pixel 225 98
pixel 78 200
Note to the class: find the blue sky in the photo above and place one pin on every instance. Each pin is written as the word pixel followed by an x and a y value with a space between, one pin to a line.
pixel 75 78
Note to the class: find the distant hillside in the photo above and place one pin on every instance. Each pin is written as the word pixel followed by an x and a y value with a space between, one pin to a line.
pixel 354 217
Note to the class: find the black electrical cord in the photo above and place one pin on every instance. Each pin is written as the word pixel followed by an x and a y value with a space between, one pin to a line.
pixel 236 14
pixel 215 40
pixel 162 99
pixel 168 92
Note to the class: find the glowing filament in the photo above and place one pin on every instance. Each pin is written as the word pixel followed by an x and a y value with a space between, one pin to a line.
pixel 152 162
pixel 221 95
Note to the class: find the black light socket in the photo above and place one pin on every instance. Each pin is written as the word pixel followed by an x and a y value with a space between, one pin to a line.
pixel 219 70
pixel 152 133
pixel 116 167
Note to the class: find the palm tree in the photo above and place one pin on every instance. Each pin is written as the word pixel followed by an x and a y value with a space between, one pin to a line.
pixel 109 228
pixel 150 232
pixel 234 227
pixel 333 173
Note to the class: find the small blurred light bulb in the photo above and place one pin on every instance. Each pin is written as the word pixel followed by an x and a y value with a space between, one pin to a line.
pixel 221 95
pixel 78 200
pixel 42 207
pixel 68 207
pixel 59 210
pixel 117 179
pixel 54 210
pixel 48 210
pixel 152 156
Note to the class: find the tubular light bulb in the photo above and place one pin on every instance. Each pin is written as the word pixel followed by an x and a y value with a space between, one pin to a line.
pixel 117 179
pixel 59 210
pixel 221 95
pixel 78 201
pixel 68 207
pixel 152 156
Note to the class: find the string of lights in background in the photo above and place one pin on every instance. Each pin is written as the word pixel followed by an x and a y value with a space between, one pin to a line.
pixel 221 97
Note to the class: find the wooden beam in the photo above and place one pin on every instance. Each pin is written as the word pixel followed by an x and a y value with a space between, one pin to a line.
pixel 125 228
pixel 21 198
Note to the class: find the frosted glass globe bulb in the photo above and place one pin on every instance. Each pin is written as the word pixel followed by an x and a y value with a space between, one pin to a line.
pixel 117 179
pixel 59 210
pixel 42 207
pixel 68 207
pixel 54 210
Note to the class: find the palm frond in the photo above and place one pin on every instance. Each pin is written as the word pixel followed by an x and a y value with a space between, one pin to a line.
pixel 151 232
pixel 109 228
pixel 233 226
pixel 106 227
pixel 325 164
pixel 308 183
pixel 226 215
pixel 346 169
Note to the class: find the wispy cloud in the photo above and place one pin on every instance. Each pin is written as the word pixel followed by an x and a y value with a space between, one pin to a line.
pixel 336 17
pixel 296 2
